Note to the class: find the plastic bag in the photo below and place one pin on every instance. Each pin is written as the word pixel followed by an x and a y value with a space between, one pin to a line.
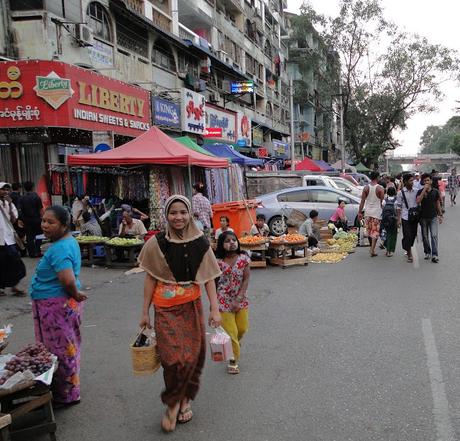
pixel 221 345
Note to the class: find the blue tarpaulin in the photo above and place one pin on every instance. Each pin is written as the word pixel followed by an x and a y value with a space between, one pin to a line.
pixel 324 165
pixel 225 151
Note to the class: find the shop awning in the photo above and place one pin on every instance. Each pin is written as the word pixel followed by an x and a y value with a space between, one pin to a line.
pixel 152 147
pixel 308 164
pixel 225 151
pixel 338 166
pixel 191 144
pixel 323 165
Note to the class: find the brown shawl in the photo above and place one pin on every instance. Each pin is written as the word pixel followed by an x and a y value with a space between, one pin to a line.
pixel 182 257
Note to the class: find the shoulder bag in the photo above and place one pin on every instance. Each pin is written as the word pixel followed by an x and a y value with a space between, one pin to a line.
pixel 413 213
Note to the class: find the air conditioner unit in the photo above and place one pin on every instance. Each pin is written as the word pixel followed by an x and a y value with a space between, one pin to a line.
pixel 84 34
pixel 214 97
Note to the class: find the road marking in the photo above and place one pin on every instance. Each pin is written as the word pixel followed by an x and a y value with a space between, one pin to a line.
pixel 444 429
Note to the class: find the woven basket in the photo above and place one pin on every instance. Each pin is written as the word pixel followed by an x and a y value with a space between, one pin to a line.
pixel 145 359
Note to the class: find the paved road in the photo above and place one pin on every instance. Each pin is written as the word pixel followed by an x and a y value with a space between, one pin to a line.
pixel 363 350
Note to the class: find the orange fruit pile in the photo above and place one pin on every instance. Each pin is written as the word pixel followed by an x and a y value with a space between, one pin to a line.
pixel 290 238
pixel 251 240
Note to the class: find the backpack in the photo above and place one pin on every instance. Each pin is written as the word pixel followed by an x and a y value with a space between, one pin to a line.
pixel 389 215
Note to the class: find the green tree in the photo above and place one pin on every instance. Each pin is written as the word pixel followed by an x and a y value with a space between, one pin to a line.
pixel 387 75
pixel 442 139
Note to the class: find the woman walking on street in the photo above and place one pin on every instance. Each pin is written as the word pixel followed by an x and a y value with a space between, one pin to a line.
pixel 12 268
pixel 57 304
pixel 177 262
pixel 232 292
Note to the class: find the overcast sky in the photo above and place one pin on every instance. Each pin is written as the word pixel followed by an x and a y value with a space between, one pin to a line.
pixel 436 20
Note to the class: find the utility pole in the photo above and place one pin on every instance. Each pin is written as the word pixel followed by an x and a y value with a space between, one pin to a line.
pixel 291 98
pixel 342 137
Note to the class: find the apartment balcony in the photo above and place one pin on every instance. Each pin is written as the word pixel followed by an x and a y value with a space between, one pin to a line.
pixel 186 34
pixel 234 5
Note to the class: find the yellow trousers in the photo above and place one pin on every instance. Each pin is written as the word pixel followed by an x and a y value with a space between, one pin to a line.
pixel 236 324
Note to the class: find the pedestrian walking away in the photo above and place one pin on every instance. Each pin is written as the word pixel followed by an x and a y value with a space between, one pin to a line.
pixel 429 199
pixel 12 268
pixel 232 289
pixel 177 262
pixel 452 187
pixel 31 209
pixel 389 221
pixel 202 210
pixel 371 202
pixel 57 304
pixel 407 214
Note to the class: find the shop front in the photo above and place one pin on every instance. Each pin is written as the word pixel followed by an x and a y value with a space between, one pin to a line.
pixel 50 109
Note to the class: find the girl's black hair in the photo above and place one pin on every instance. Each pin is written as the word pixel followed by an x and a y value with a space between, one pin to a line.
pixel 226 218
pixel 220 250
pixel 61 214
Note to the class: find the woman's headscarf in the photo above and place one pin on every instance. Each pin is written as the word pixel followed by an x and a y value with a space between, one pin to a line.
pixel 179 257
pixel 191 230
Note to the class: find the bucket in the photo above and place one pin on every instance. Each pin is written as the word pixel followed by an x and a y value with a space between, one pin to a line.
pixel 241 218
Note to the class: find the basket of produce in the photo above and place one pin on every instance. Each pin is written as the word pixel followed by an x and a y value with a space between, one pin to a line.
pixel 124 242
pixel 289 239
pixel 20 371
pixel 144 356
pixel 4 334
pixel 327 257
pixel 91 239
pixel 252 240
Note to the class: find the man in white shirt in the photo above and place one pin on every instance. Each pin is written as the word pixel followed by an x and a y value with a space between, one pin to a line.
pixel 12 269
pixel 404 202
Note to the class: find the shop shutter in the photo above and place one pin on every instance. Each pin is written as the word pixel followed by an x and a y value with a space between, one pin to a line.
pixel 33 165
pixel 6 170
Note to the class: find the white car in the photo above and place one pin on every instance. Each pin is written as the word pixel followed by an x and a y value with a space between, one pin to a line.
pixel 344 185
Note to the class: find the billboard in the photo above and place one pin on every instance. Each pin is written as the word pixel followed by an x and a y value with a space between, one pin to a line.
pixel 193 117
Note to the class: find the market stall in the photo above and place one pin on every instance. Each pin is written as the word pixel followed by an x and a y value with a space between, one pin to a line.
pixel 289 250
pixel 168 162
pixel 25 380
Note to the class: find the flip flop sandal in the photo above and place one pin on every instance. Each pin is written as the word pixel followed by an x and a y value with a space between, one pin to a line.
pixel 182 413
pixel 171 422
pixel 233 369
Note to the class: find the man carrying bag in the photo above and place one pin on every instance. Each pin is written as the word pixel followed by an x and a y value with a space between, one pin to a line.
pixel 12 268
pixel 408 214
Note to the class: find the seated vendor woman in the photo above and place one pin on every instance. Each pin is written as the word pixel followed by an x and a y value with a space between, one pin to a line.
pixel 338 218
pixel 131 227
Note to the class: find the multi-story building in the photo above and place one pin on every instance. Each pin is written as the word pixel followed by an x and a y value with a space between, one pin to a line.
pixel 315 72
pixel 175 53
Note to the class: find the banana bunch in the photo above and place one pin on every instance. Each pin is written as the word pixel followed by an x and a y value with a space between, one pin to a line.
pixel 328 257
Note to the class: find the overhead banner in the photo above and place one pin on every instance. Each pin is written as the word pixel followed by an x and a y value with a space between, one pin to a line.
pixel 193 116
pixel 218 118
pixel 244 130
pixel 40 93
pixel 166 113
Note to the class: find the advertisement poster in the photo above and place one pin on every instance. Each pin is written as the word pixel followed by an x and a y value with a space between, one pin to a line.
pixel 244 130
pixel 166 113
pixel 193 115
pixel 218 118
pixel 257 136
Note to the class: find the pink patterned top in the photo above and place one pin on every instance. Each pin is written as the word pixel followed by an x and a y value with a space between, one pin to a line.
pixel 229 284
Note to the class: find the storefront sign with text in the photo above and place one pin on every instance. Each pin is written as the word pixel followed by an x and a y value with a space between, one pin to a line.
pixel 56 94
pixel 222 119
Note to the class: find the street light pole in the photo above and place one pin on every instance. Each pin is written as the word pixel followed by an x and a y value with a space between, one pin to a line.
pixel 342 138
pixel 291 98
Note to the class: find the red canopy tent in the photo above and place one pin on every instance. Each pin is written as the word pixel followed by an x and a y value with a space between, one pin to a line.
pixel 308 164
pixel 152 147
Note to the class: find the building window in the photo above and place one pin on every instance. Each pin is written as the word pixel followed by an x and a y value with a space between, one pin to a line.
pixel 99 21
pixel 268 110
pixel 162 55
pixel 25 5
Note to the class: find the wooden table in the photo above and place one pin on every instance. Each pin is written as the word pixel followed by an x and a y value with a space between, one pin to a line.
pixel 286 254
pixel 112 253
pixel 90 259
pixel 35 402
pixel 258 248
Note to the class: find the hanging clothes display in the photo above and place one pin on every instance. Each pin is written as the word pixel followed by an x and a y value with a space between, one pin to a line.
pixel 225 185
